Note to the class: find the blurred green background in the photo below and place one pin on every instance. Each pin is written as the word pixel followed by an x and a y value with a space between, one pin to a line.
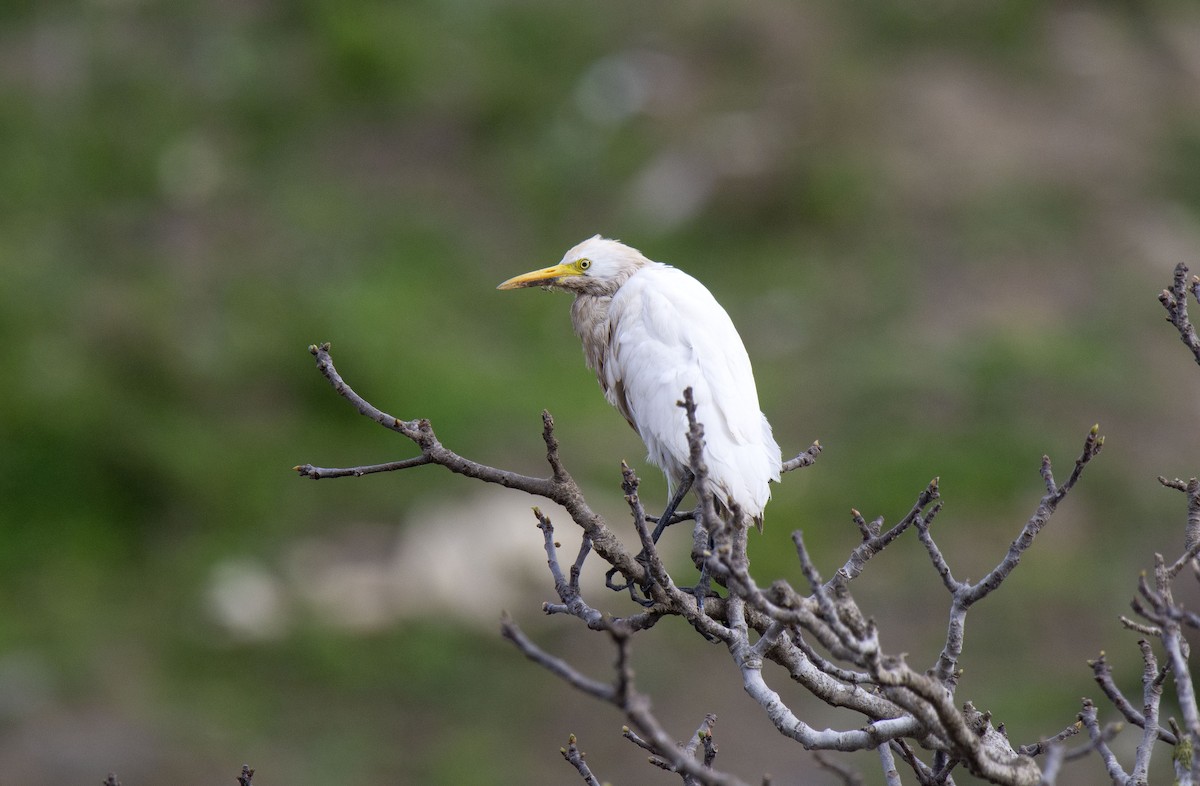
pixel 940 228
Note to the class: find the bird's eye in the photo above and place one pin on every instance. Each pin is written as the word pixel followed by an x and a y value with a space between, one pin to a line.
pixel 584 264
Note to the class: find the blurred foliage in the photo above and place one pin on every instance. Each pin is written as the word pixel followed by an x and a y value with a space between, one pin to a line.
pixel 940 228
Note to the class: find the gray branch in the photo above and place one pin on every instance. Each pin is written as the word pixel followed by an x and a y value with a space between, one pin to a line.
pixel 574 757
pixel 817 635
pixel 1174 300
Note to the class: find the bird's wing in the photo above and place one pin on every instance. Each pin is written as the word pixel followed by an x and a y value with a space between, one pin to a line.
pixel 669 333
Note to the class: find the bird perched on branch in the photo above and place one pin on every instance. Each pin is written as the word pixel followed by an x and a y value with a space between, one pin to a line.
pixel 649 331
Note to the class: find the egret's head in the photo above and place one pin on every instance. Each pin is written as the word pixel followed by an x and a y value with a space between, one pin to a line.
pixel 597 266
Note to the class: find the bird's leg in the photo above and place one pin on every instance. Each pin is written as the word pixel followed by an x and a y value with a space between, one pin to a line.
pixel 664 521
pixel 700 591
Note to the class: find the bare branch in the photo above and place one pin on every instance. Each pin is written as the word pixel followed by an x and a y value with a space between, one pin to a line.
pixel 833 670
pixel 1152 690
pixel 703 736
pixel 1177 647
pixel 703 731
pixel 877 542
pixel 556 666
pixel 1055 756
pixel 1104 678
pixel 966 595
pixel 552 458
pixel 575 758
pixel 654 564
pixel 1192 537
pixel 847 775
pixel 1049 503
pixel 622 695
pixel 1100 741
pixel 804 459
pixel 901 707
pixel 1146 630
pixel 560 487
pixel 866 530
pixel 633 737
pixel 1174 301
pixel 317 473
pixel 935 555
pixel 890 775
pixel 710 747
pixel 1042 746
pixel 922 770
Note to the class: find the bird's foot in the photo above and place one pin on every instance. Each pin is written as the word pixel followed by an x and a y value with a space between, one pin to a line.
pixel 629 586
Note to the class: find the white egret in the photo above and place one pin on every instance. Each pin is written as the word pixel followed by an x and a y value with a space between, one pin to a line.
pixel 649 331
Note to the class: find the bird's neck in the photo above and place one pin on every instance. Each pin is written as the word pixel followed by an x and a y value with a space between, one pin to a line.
pixel 590 318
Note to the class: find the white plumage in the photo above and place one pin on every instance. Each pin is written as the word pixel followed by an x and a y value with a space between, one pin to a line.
pixel 649 331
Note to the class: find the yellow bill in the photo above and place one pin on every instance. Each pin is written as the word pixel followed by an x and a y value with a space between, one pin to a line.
pixel 537 278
